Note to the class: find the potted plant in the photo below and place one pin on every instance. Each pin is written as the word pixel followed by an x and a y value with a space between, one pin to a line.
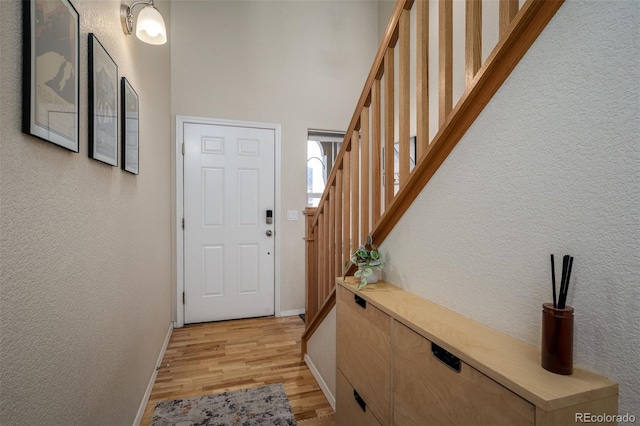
pixel 369 262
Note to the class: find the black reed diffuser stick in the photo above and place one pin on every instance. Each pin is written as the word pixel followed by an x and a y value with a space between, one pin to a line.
pixel 563 297
pixel 553 281
pixel 560 301
pixel 565 267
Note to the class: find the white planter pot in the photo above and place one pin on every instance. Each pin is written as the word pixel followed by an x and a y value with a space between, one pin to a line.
pixel 374 277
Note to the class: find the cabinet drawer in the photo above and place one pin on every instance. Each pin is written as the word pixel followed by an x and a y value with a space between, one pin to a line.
pixel 364 351
pixel 428 391
pixel 351 409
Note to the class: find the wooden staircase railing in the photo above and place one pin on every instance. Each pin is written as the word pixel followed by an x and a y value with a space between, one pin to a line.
pixel 359 198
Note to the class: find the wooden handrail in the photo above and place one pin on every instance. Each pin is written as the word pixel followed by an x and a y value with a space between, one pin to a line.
pixel 523 31
pixel 390 39
pixel 353 198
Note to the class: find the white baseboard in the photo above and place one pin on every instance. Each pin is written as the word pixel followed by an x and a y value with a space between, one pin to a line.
pixel 147 394
pixel 323 385
pixel 291 313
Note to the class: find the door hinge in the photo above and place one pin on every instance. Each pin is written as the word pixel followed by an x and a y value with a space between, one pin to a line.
pixel 183 297
pixel 183 148
pixel 183 223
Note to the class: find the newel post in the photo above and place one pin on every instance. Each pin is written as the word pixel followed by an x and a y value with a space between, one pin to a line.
pixel 311 266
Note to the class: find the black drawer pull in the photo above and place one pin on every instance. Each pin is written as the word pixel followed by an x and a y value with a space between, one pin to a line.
pixel 360 301
pixel 360 401
pixel 449 359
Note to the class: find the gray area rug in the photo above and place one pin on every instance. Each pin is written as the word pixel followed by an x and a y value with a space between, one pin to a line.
pixel 264 405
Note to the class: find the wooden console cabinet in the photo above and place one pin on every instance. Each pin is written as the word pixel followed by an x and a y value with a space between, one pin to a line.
pixel 404 361
pixel 363 353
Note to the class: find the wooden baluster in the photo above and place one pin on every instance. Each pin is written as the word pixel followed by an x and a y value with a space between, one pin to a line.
pixel 389 133
pixel 508 10
pixel 331 229
pixel 321 258
pixel 445 59
pixel 346 205
pixel 473 39
pixel 364 174
pixel 404 96
pixel 422 78
pixel 376 149
pixel 355 188
pixel 311 270
pixel 338 232
pixel 327 256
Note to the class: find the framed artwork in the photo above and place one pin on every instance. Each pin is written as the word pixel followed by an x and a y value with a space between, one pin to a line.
pixel 396 161
pixel 130 120
pixel 103 104
pixel 51 46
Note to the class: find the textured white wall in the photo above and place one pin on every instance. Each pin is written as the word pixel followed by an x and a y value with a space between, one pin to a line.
pixel 300 64
pixel 85 250
pixel 321 348
pixel 552 165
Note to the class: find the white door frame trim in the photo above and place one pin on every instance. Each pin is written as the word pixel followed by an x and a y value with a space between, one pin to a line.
pixel 181 120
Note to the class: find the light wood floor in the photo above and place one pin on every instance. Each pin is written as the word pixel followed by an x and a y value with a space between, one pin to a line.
pixel 204 359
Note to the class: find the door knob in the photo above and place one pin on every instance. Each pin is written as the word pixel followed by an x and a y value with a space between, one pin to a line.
pixel 269 233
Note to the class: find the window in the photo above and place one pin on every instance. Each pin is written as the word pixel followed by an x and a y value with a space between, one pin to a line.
pixel 322 149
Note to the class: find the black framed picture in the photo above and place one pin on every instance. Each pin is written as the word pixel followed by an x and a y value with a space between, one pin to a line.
pixel 51 46
pixel 396 161
pixel 130 126
pixel 103 104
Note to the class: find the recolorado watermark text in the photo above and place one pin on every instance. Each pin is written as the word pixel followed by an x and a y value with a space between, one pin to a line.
pixel 604 418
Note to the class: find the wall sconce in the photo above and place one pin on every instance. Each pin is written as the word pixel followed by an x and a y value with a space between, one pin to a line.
pixel 150 26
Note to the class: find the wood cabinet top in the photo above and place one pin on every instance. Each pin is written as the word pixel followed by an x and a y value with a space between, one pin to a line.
pixel 507 360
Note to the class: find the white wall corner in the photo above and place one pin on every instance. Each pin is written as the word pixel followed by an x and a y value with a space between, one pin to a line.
pixel 147 394
pixel 323 385
pixel 291 313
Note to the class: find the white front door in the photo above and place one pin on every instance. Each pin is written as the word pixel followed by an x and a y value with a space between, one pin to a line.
pixel 229 184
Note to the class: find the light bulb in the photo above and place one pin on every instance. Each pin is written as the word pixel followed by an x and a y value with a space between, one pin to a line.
pixel 150 27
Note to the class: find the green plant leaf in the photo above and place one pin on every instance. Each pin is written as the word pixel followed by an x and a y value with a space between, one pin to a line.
pixel 358 273
pixel 366 272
